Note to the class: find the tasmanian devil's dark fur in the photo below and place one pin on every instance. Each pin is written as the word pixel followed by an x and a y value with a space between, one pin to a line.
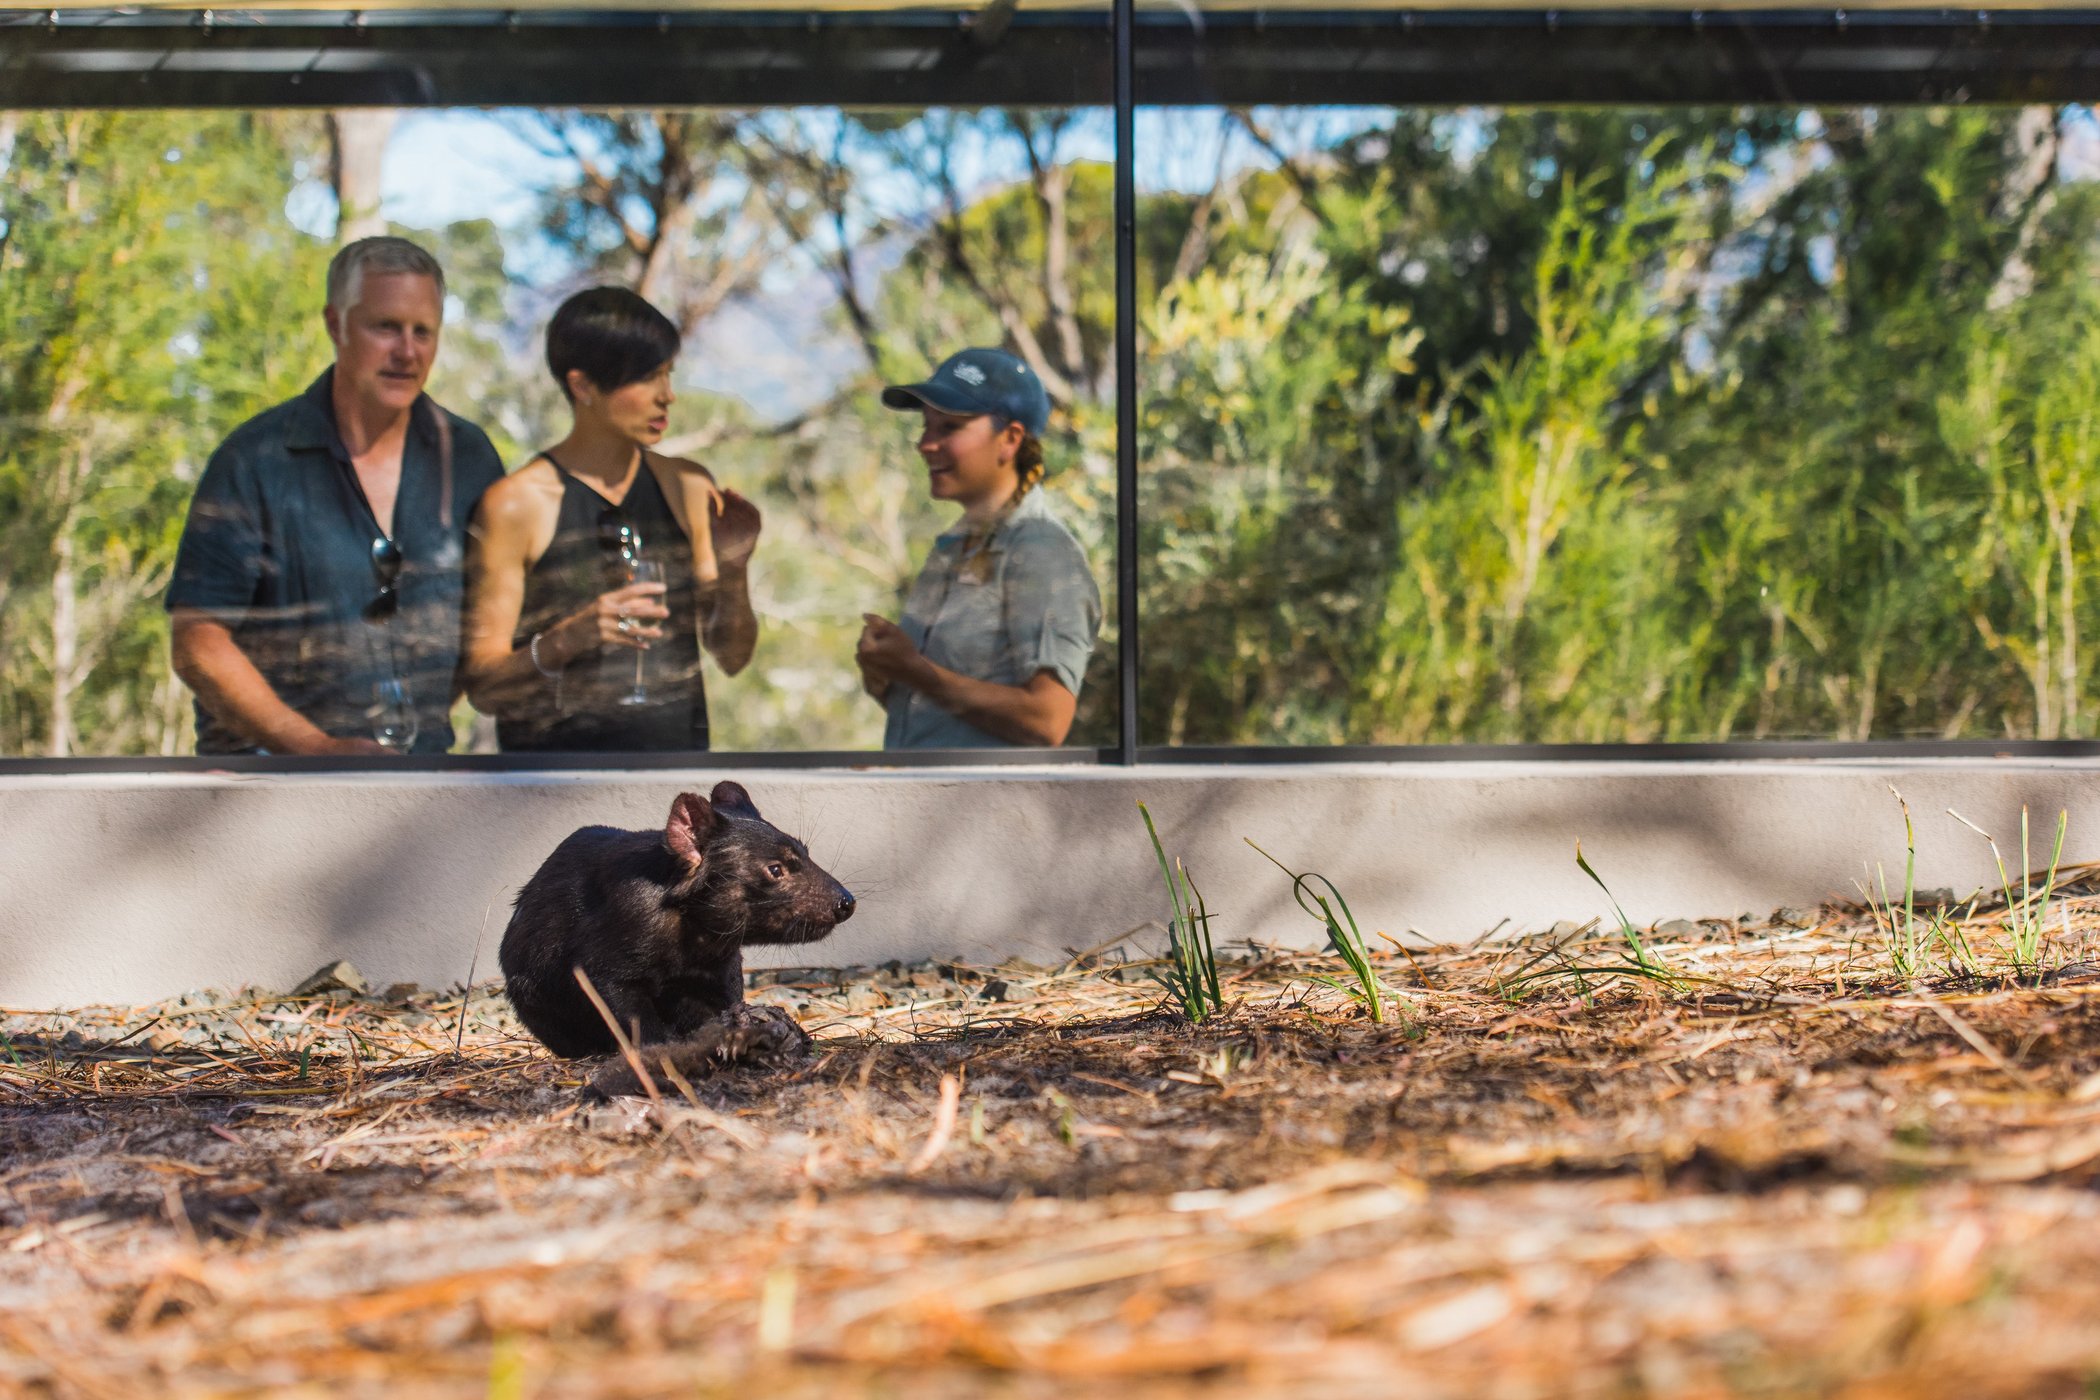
pixel 658 920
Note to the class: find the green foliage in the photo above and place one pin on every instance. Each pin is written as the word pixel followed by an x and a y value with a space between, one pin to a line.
pixel 2025 418
pixel 1248 539
pixel 1191 975
pixel 1634 961
pixel 1521 577
pixel 150 299
pixel 2027 916
pixel 1343 936
pixel 1910 936
pixel 1483 425
pixel 1716 425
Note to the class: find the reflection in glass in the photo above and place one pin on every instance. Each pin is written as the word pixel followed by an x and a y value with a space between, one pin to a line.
pixel 643 571
pixel 1592 425
pixel 361 480
pixel 564 605
pixel 995 636
pixel 807 256
pixel 394 723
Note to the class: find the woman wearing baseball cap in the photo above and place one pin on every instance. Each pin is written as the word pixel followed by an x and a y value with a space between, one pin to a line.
pixel 999 625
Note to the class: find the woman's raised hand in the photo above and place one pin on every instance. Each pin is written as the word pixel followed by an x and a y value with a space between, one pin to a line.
pixel 735 528
pixel 885 651
pixel 874 682
pixel 724 526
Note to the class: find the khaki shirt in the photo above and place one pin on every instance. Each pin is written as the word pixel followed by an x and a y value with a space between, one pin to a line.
pixel 1025 603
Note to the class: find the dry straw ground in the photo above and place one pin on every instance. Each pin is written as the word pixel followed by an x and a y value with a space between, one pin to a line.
pixel 1784 1172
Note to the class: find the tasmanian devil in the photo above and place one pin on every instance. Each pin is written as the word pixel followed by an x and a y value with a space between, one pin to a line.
pixel 658 921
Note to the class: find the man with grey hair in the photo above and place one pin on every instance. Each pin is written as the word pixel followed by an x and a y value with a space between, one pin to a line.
pixel 316 598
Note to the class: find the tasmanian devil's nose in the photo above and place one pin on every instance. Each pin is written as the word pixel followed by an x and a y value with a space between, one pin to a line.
pixel 843 910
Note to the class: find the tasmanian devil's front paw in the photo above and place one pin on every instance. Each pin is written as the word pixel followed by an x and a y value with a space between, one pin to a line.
pixel 743 1035
pixel 770 1030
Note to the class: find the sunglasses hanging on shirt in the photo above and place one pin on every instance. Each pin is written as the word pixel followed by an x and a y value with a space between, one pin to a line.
pixel 621 545
pixel 616 536
pixel 386 567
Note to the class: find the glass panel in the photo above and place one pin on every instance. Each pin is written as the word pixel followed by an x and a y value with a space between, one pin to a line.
pixel 162 275
pixel 1585 424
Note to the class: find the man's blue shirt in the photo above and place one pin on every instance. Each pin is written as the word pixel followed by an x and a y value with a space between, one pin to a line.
pixel 278 547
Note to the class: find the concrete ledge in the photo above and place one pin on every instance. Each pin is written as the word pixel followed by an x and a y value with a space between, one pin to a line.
pixel 116 888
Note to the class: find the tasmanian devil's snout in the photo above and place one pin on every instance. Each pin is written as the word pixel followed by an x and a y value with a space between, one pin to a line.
pixel 769 881
pixel 658 921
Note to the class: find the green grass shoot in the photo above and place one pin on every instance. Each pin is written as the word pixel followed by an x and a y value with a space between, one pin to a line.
pixel 1640 961
pixel 1635 960
pixel 1907 942
pixel 2026 917
pixel 1347 942
pixel 507 1370
pixel 1191 977
pixel 1909 937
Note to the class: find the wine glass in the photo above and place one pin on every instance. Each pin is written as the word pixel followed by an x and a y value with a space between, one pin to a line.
pixel 393 715
pixel 641 571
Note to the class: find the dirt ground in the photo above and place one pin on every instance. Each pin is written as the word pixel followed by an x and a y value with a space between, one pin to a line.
pixel 1777 1170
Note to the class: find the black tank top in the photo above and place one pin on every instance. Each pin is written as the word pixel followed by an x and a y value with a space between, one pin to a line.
pixel 582 712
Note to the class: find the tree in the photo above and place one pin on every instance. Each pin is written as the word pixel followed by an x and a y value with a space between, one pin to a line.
pixel 144 309
pixel 357 141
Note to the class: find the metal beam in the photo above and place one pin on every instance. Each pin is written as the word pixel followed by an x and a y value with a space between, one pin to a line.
pixel 1064 58
pixel 1126 389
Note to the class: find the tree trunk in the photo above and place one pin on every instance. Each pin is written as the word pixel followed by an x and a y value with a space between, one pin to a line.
pixel 1052 188
pixel 2028 196
pixel 65 641
pixel 2067 622
pixel 171 694
pixel 2041 675
pixel 357 155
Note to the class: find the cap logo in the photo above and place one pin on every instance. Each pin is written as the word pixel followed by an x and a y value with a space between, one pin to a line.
pixel 969 374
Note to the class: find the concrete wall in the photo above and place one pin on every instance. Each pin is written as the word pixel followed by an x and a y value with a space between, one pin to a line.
pixel 115 888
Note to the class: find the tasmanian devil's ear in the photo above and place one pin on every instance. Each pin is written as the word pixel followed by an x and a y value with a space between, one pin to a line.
pixel 731 798
pixel 692 822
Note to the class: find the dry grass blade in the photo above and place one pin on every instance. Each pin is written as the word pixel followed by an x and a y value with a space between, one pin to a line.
pixel 1982 1047
pixel 620 1038
pixel 943 1126
pixel 466 988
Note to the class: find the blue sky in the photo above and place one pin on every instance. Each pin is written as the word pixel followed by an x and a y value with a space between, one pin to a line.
pixel 448 165
pixel 452 164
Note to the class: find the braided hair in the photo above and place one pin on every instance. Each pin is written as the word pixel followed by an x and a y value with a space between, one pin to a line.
pixel 1028 461
pixel 1028 464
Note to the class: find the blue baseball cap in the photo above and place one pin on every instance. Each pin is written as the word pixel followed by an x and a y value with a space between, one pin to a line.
pixel 975 381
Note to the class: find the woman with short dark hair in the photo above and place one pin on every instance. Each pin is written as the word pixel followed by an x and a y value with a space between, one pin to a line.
pixel 600 570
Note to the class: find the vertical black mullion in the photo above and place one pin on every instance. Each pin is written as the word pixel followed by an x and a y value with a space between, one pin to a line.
pixel 1126 391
